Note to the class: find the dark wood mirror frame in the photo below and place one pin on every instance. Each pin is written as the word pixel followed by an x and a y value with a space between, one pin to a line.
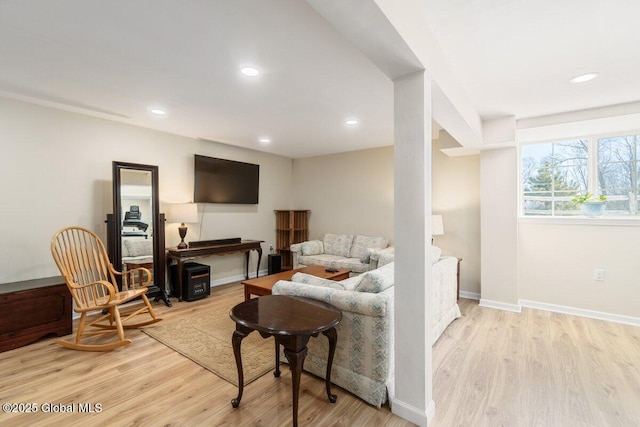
pixel 114 228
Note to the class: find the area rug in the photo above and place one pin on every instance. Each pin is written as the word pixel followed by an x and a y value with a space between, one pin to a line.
pixel 205 338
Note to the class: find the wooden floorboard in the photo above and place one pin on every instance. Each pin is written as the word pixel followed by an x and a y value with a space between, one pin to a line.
pixel 491 368
pixel 536 368
pixel 148 384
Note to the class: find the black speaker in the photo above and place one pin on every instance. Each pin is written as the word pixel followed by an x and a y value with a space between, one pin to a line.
pixel 196 280
pixel 274 262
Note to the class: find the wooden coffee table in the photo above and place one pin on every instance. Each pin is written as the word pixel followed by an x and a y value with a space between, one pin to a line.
pixel 262 285
pixel 292 321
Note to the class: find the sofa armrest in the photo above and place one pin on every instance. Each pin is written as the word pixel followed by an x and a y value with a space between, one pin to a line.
pixel 368 304
pixel 312 247
pixel 376 253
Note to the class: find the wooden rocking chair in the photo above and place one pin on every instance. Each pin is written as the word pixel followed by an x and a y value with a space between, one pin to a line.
pixel 83 261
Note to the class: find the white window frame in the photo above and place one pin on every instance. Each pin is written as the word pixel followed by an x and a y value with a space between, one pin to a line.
pixel 592 184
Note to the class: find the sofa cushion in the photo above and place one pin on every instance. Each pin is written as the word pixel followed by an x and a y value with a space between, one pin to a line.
pixel 338 244
pixel 139 247
pixel 316 281
pixel 377 280
pixel 312 247
pixel 361 244
pixel 436 252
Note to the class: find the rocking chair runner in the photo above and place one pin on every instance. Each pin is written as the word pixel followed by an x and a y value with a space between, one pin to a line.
pixel 83 261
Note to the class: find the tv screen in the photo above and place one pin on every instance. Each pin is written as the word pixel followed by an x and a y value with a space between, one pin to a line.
pixel 225 181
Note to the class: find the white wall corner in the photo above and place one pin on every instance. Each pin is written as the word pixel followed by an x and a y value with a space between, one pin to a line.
pixel 499 131
pixel 470 295
pixel 413 414
pixel 445 140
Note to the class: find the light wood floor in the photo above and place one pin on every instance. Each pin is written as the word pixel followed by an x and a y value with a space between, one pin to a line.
pixel 491 368
pixel 496 368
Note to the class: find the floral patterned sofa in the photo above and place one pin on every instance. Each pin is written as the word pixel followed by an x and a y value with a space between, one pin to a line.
pixel 364 359
pixel 339 251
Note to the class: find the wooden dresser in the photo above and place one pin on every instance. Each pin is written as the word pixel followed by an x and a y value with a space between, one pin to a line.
pixel 31 309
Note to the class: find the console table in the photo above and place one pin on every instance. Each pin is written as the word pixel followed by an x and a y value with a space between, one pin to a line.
pixel 183 255
pixel 31 309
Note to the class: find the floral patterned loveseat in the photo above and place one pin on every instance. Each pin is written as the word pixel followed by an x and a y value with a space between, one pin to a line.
pixel 339 251
pixel 364 358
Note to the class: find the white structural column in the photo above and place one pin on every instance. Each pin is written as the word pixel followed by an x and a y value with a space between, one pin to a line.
pixel 499 228
pixel 412 186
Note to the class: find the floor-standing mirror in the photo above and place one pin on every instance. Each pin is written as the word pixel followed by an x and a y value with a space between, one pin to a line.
pixel 135 230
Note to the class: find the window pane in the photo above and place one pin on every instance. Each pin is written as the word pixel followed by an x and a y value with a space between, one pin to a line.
pixel 616 149
pixel 552 174
pixel 537 207
pixel 618 171
pixel 571 152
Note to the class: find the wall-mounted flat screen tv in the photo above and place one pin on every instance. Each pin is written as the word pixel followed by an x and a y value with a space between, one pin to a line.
pixel 225 181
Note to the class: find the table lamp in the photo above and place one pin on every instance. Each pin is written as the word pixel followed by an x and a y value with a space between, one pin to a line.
pixel 182 213
pixel 437 229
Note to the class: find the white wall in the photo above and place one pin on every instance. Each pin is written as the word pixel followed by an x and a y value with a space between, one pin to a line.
pixel 550 263
pixel 456 196
pixel 56 171
pixel 348 193
pixel 557 263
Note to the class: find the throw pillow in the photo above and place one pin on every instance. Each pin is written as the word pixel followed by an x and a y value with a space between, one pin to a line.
pixel 308 279
pixel 385 258
pixel 312 247
pixel 361 244
pixel 377 280
pixel 337 244
pixel 435 254
pixel 351 283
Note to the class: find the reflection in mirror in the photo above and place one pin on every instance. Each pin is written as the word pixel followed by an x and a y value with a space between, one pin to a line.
pixel 136 228
pixel 136 202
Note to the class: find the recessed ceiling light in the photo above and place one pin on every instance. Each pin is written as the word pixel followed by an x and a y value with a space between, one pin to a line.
pixel 584 77
pixel 264 140
pixel 250 71
pixel 157 111
pixel 351 122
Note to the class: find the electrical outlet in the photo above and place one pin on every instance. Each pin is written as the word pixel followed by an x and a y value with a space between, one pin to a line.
pixel 270 247
pixel 598 275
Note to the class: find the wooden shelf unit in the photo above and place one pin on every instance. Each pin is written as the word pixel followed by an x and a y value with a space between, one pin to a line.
pixel 292 226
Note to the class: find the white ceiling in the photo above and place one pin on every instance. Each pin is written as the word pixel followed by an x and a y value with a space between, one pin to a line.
pixel 515 57
pixel 115 59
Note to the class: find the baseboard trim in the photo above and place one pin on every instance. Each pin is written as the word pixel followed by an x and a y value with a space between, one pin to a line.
pixel 470 295
pixel 515 308
pixel 598 315
pixel 413 414
pixel 237 278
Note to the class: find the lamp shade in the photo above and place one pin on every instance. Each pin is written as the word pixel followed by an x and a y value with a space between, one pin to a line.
pixel 182 212
pixel 437 229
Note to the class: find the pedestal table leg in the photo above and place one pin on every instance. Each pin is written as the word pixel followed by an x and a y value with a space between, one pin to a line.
pixel 236 340
pixel 332 335
pixel 276 373
pixel 296 361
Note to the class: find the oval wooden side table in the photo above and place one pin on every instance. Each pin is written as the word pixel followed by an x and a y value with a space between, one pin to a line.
pixel 292 321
